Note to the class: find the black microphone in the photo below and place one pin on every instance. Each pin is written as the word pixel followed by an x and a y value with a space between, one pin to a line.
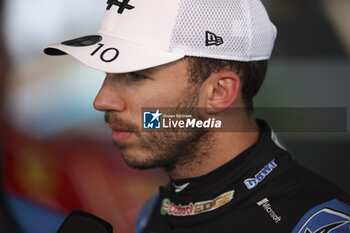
pixel 79 221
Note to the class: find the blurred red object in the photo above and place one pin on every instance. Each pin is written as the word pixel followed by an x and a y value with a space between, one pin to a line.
pixel 70 172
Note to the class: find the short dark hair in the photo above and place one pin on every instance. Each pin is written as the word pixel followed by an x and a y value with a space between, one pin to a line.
pixel 251 74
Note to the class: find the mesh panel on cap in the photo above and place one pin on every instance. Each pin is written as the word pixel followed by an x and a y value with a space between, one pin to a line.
pixel 243 25
pixel 264 33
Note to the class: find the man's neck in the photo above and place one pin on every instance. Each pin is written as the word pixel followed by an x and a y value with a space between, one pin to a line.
pixel 223 147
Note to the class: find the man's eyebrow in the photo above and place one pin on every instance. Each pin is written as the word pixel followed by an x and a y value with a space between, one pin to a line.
pixel 148 71
pixel 152 70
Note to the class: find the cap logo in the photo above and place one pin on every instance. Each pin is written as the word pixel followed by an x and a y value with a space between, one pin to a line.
pixel 212 39
pixel 122 5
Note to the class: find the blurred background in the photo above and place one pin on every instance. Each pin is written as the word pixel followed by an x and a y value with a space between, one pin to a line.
pixel 56 152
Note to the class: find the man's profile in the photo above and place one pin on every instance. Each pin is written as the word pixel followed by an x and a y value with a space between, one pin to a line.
pixel 201 58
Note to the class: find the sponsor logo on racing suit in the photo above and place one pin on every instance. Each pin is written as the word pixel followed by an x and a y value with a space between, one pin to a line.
pixel 171 208
pixel 260 176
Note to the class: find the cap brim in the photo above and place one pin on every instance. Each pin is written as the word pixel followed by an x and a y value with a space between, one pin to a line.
pixel 112 54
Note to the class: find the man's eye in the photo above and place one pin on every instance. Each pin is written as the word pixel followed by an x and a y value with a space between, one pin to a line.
pixel 137 77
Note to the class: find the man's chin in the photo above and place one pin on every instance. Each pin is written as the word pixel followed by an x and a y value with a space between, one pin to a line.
pixel 142 161
pixel 139 165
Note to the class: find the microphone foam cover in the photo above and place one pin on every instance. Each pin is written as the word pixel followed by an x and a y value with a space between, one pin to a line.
pixel 79 221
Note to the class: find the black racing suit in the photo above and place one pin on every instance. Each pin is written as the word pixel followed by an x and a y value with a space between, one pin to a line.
pixel 261 190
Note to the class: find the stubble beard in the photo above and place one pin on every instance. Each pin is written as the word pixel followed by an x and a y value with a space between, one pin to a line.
pixel 166 149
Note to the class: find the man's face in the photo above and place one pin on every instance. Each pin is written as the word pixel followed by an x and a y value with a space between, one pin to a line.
pixel 123 96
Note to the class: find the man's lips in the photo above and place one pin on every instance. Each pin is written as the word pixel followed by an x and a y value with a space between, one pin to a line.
pixel 119 134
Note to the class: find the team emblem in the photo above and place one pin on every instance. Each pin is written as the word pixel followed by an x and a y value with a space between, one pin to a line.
pixel 325 220
pixel 122 5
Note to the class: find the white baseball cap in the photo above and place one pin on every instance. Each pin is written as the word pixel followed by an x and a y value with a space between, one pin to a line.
pixel 140 34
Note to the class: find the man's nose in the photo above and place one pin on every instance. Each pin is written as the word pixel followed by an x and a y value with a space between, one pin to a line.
pixel 109 98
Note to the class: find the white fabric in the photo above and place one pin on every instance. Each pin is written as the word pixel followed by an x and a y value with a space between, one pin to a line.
pixel 156 32
pixel 247 32
pixel 132 56
pixel 150 23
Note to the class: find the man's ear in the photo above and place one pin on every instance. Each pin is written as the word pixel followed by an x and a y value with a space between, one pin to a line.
pixel 221 90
